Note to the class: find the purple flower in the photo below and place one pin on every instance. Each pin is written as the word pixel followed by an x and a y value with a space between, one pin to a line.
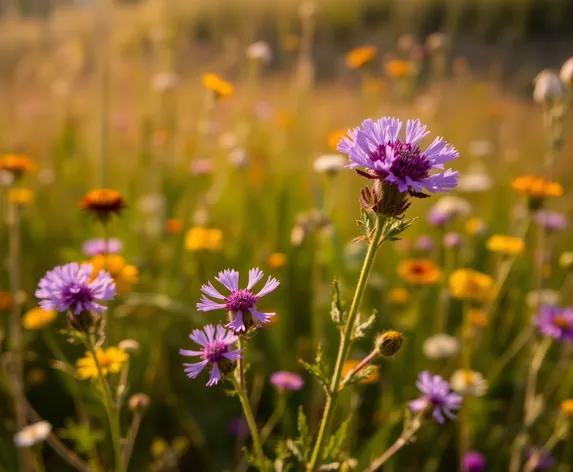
pixel 556 322
pixel 400 163
pixel 424 243
pixel 437 395
pixel 437 217
pixel 240 303
pixel 215 350
pixel 473 461
pixel 94 247
pixel 453 240
pixel 285 380
pixel 552 220
pixel 68 287
pixel 544 461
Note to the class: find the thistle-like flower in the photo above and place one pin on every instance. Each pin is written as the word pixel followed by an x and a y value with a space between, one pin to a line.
pixel 71 287
pixel 556 322
pixel 436 396
pixel 215 351
pixel 240 303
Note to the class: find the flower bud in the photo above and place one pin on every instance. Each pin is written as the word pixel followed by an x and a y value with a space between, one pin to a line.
pixel 82 322
pixel 130 346
pixel 139 402
pixel 389 343
pixel 566 72
pixel 548 88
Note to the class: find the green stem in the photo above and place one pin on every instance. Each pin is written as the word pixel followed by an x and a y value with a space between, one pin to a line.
pixel 345 346
pixel 248 412
pixel 274 419
pixel 111 412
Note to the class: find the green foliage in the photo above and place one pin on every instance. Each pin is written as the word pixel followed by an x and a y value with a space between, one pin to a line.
pixel 84 436
pixel 362 327
pixel 334 448
pixel 337 313
pixel 318 369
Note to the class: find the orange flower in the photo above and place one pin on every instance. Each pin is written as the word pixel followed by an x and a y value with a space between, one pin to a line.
pixel 419 271
pixel 174 225
pixel 276 260
pixel 360 56
pixel 17 164
pixel 536 188
pixel 334 138
pixel 103 202
pixel 398 69
pixel 220 88
pixel 20 196
pixel 6 300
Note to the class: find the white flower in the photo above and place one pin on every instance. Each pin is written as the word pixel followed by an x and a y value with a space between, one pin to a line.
pixel 297 235
pixel 453 206
pixel 260 51
pixel 151 204
pixel 468 382
pixel 6 178
pixel 546 297
pixel 566 72
pixel 46 176
pixel 480 148
pixel 129 345
pixel 474 182
pixel 548 87
pixel 33 434
pixel 440 346
pixel 436 42
pixel 164 81
pixel 406 42
pixel 329 163
pixel 238 158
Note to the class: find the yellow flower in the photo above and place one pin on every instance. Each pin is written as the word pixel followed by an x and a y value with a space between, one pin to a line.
pixel 220 88
pixel 398 296
pixel 17 165
pixel 506 245
pixel 199 238
pixel 123 274
pixel 351 364
pixel 537 188
pixel 475 225
pixel 468 284
pixel 111 360
pixel 334 138
pixel 398 69
pixel 360 56
pixel 38 318
pixel 478 317
pixel 158 447
pixel 20 196
pixel 276 260
pixel 419 271
pixel 567 407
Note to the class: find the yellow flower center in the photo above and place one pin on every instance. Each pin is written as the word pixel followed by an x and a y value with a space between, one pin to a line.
pixel 562 322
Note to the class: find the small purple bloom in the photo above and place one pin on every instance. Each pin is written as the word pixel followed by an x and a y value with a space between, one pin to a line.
pixel 552 220
pixel 239 427
pixel 544 461
pixel 285 380
pixel 215 350
pixel 437 217
pixel 473 461
pixel 68 287
pixel 94 247
pixel 556 322
pixel 424 243
pixel 400 162
pixel 240 303
pixel 437 395
pixel 453 240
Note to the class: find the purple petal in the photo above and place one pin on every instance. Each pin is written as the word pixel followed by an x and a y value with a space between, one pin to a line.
pixel 254 276
pixel 193 370
pixel 207 304
pixel 211 291
pixel 230 279
pixel 215 376
pixel 271 285
pixel 237 324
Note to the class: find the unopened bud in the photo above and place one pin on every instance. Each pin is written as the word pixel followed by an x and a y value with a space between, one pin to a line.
pixel 139 402
pixel 389 343
pixel 130 346
pixel 83 321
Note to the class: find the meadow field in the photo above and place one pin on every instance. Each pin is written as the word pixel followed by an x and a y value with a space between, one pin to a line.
pixel 387 182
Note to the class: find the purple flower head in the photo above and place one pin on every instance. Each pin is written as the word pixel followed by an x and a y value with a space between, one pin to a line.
pixel 68 287
pixel 555 322
pixel 285 380
pixel 94 247
pixel 552 220
pixel 437 217
pixel 473 461
pixel 453 240
pixel 215 350
pixel 400 163
pixel 437 395
pixel 240 303
pixel 544 461
pixel 424 243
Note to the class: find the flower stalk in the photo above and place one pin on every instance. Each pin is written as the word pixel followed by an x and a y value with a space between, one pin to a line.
pixel 375 241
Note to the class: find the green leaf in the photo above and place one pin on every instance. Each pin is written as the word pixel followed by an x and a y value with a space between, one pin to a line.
pixel 393 228
pixel 304 439
pixel 294 448
pixel 336 311
pixel 85 437
pixel 360 329
pixel 365 372
pixel 318 369
pixel 335 443
pixel 366 224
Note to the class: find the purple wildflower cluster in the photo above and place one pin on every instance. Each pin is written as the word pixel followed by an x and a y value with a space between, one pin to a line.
pixel 437 396
pixel 556 322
